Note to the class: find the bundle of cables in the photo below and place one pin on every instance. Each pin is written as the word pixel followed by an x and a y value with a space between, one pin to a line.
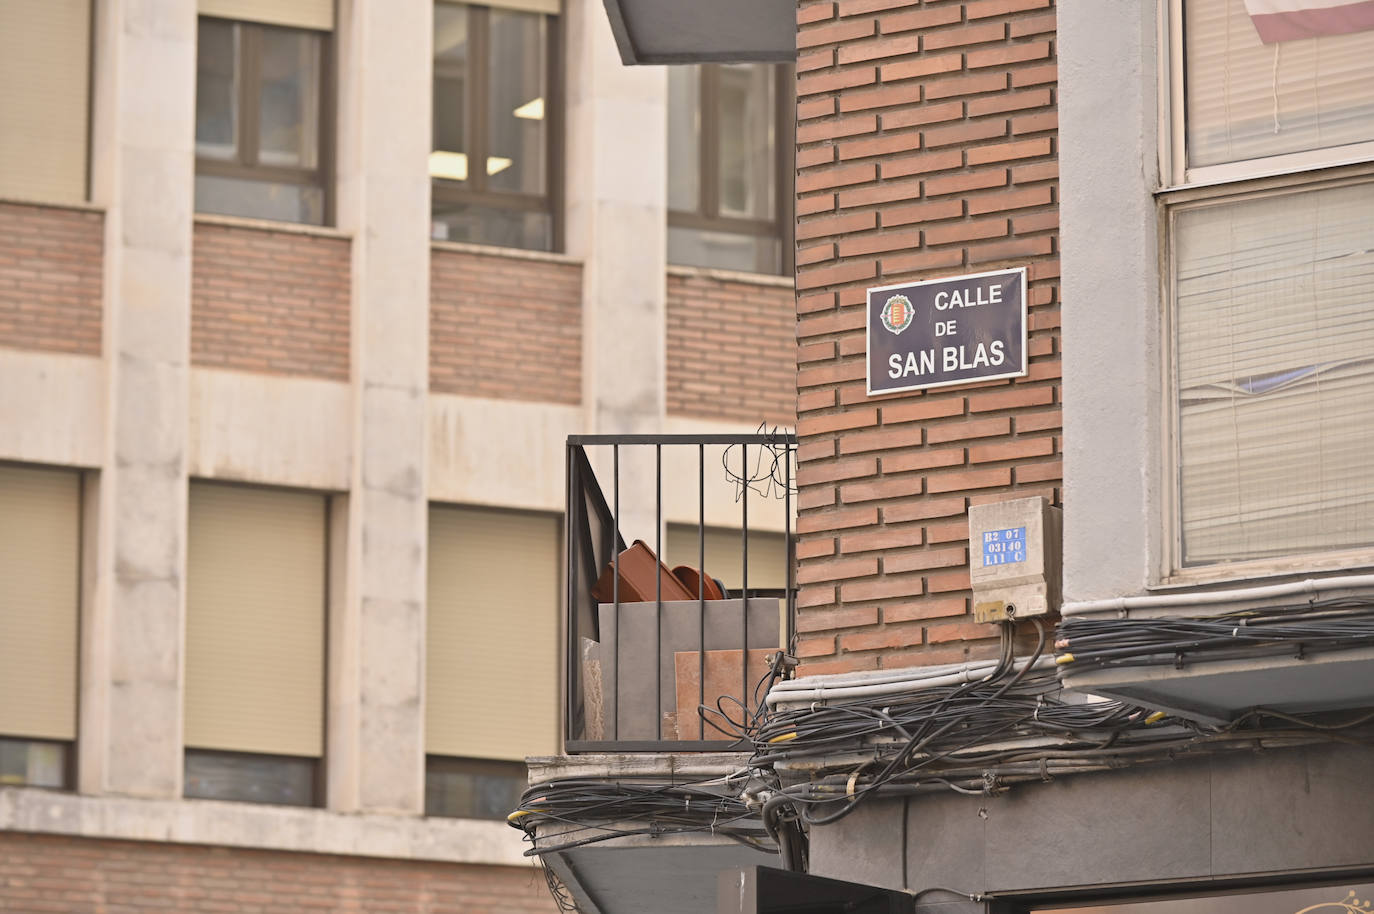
pixel 1319 625
pixel 564 814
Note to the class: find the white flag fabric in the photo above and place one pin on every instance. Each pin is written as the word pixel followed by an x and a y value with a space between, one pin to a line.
pixel 1289 20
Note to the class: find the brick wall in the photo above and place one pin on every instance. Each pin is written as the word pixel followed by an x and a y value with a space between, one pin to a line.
pixel 926 148
pixel 504 327
pixel 62 874
pixel 270 301
pixel 731 349
pixel 50 278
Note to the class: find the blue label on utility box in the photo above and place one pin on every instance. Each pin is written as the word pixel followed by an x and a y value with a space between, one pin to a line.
pixel 1003 547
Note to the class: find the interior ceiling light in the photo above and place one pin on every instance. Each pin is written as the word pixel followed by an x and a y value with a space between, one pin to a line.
pixel 453 166
pixel 532 110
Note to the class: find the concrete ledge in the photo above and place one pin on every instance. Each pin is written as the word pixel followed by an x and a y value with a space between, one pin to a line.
pixel 269 225
pixel 246 825
pixel 756 279
pixel 489 250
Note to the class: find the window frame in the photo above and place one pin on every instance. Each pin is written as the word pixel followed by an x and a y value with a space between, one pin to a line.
pixel 477 91
pixel 245 165
pixel 706 216
pixel 1174 169
pixel 1183 188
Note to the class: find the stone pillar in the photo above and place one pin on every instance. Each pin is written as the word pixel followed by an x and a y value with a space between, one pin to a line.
pixel 376 722
pixel 616 219
pixel 142 173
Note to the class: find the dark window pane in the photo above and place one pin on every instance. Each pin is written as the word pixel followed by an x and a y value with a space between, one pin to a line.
pixel 280 779
pixel 489 225
pixel 33 763
pixel 472 788
pixel 289 98
pixel 747 152
pixel 724 250
pixel 517 100
pixel 450 93
pixel 684 138
pixel 217 89
pixel 259 199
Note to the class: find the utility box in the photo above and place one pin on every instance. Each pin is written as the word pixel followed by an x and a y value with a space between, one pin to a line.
pixel 1014 558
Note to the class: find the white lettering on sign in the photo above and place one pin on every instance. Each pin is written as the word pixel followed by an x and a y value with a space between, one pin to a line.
pixel 984 355
pixel 968 297
pixel 917 363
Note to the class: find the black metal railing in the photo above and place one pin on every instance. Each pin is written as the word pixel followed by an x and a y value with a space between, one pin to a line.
pixel 671 660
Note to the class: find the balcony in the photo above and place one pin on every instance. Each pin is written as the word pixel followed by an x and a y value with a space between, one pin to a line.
pixel 673 639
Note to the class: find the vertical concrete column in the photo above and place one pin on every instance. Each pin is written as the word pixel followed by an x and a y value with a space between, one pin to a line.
pixel 376 722
pixel 616 211
pixel 143 168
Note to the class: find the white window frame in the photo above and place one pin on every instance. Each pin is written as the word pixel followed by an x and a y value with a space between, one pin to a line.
pixel 1186 188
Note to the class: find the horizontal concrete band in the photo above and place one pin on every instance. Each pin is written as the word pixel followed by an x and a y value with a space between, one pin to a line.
pixel 279 828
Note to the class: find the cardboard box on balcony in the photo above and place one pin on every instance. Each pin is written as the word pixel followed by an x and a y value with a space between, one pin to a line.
pixel 631 690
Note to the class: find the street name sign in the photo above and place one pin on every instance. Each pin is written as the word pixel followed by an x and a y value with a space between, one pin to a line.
pixel 947 331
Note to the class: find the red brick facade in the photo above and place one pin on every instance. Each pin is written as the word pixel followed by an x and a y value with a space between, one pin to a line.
pixel 731 349
pixel 926 148
pixel 82 875
pixel 50 278
pixel 505 327
pixel 270 301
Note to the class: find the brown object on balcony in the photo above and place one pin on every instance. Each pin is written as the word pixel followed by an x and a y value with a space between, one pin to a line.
pixel 722 675
pixel 700 585
pixel 637 585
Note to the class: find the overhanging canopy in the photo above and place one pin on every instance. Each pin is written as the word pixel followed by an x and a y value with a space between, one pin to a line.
pixel 703 31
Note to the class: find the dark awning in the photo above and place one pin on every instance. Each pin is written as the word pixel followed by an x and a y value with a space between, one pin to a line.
pixel 701 31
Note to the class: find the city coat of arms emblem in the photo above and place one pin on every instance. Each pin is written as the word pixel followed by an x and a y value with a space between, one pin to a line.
pixel 897 313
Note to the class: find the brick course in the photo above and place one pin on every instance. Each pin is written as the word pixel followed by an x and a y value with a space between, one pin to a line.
pixel 505 328
pixel 732 349
pixel 270 301
pixel 51 267
pixel 64 874
pixel 926 148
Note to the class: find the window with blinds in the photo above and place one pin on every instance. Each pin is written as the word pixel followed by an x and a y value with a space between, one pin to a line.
pixel 1248 100
pixel 45 54
pixel 1272 292
pixel 255 621
pixel 40 524
pixel 1276 374
pixel 491 659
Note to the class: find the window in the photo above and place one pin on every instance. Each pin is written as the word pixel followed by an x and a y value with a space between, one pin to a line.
pixel 1271 275
pixel 255 614
pixel 40 524
pixel 491 657
pixel 44 87
pixel 473 788
pixel 496 121
pixel 261 116
pixel 730 147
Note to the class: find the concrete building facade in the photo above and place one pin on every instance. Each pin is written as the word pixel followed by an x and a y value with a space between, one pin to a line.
pixel 281 460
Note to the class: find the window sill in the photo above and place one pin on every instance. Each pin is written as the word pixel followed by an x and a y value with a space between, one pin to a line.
pixel 268 225
pixel 54 204
pixel 756 279
pixel 249 825
pixel 490 250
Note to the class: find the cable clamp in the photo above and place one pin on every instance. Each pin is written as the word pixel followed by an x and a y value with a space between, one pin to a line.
pixel 1045 769
pixel 853 779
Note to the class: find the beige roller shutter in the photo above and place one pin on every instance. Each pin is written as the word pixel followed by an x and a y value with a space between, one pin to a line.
pixel 725 555
pixel 255 620
pixel 551 7
pixel 40 575
pixel 45 53
pixel 301 14
pixel 492 641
